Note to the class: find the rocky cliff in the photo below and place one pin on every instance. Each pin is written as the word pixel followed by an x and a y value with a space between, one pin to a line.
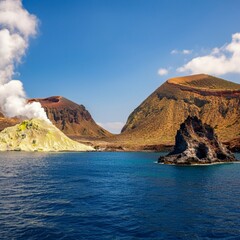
pixel 37 135
pixel 7 122
pixel 71 118
pixel 196 143
pixel 213 100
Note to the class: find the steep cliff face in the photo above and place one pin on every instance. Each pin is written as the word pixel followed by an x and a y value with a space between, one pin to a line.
pixel 234 144
pixel 71 118
pixel 215 101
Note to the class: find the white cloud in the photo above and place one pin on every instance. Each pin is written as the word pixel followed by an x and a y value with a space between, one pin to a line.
pixel 184 51
pixel 113 127
pixel 220 61
pixel 162 71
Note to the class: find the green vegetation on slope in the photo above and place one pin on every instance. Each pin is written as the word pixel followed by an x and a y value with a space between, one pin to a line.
pixel 37 135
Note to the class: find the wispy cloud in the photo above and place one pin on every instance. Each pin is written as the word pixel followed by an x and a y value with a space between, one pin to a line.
pixel 113 127
pixel 163 71
pixel 220 61
pixel 184 51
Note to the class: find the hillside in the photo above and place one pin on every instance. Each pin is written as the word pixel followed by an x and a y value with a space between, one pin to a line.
pixel 156 120
pixel 204 82
pixel 37 135
pixel 71 118
pixel 7 122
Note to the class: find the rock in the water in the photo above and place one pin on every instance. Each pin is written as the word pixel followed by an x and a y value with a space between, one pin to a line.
pixel 37 135
pixel 196 143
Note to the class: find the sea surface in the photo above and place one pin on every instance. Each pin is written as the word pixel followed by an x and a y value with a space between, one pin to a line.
pixel 115 196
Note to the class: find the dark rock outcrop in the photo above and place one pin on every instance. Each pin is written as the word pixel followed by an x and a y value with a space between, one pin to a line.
pixel 234 144
pixel 196 143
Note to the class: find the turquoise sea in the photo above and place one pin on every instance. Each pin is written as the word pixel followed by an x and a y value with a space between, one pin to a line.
pixel 106 195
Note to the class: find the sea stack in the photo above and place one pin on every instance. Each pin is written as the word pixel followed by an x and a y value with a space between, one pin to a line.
pixel 196 143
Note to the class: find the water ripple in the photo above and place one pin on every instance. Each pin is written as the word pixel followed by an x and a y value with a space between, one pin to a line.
pixel 115 196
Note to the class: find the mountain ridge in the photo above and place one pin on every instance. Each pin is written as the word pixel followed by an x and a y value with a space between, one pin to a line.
pixel 153 124
pixel 71 118
pixel 157 118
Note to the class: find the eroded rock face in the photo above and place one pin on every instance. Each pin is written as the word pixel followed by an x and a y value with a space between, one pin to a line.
pixel 234 144
pixel 71 118
pixel 196 143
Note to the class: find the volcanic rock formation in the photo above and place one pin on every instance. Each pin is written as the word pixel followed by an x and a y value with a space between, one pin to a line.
pixel 215 101
pixel 71 118
pixel 196 143
pixel 7 122
pixel 234 144
pixel 37 135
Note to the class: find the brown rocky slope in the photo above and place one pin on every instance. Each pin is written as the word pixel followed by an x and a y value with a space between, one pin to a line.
pixel 7 122
pixel 155 122
pixel 71 118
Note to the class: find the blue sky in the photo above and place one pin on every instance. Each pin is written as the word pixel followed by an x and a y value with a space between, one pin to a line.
pixel 106 54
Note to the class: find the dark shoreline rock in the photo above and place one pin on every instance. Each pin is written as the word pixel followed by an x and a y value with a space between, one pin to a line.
pixel 196 143
pixel 233 145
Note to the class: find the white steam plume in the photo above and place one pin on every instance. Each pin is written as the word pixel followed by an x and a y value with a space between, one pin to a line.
pixel 17 25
